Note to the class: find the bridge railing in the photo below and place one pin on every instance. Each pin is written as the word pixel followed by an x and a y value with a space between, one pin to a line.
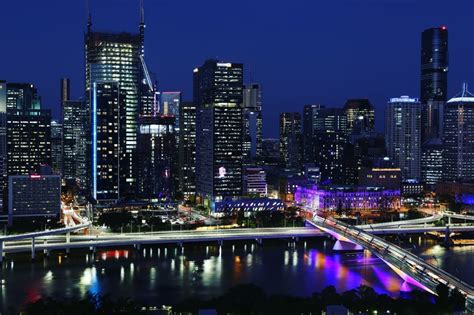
pixel 415 267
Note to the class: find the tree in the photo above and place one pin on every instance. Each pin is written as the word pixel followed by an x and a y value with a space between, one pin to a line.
pixel 115 220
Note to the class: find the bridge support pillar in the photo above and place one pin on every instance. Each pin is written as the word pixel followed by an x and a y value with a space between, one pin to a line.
pixel 137 246
pixel 259 241
pixel 346 246
pixel 68 240
pixel 1 251
pixel 220 242
pixel 405 287
pixel 33 242
pixel 448 242
pixel 46 251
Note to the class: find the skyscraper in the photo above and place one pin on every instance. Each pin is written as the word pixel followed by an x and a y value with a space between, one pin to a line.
pixel 432 161
pixel 108 112
pixel 360 116
pixel 310 125
pixel 75 121
pixel 458 140
pixel 187 149
pixel 253 122
pixel 119 57
pixel 218 98
pixel 291 140
pixel 157 157
pixel 56 146
pixel 434 80
pixel 3 139
pixel 402 135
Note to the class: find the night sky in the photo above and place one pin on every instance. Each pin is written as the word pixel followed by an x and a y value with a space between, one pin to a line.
pixel 302 52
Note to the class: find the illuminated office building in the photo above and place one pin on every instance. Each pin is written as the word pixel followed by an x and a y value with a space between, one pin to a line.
pixel 253 122
pixel 360 116
pixel 22 96
pixel 458 140
pixel 291 140
pixel 432 161
pixel 402 135
pixel 56 146
pixel 187 149
pixel 218 98
pixel 311 123
pixel 107 116
pixel 157 157
pixel 74 162
pixel 28 140
pixel 119 57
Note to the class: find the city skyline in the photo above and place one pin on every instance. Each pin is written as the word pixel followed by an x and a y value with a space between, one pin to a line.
pixel 312 73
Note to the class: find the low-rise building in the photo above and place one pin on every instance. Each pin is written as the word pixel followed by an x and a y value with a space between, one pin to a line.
pixel 347 198
pixel 232 207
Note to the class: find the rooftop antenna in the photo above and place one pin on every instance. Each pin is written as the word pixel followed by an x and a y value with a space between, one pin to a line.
pixel 89 17
pixel 142 28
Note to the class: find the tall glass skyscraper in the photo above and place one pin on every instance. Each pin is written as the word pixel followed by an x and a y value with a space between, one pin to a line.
pixel 187 149
pixel 291 140
pixel 360 116
pixel 402 135
pixel 218 96
pixel 119 57
pixel 434 80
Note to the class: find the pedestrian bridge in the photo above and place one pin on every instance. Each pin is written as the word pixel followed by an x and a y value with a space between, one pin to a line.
pixel 408 266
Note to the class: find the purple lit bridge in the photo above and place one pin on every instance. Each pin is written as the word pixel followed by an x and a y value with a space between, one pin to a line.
pixel 409 267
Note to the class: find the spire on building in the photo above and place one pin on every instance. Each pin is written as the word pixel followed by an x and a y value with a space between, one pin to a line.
pixel 89 17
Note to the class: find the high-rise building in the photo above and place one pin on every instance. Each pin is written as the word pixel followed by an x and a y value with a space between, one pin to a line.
pixel 22 96
pixel 402 135
pixel 157 157
pixel 28 140
pixel 3 140
pixel 458 140
pixel 432 161
pixel 108 114
pixel 291 140
pixel 65 90
pixel 187 149
pixel 360 116
pixel 434 80
pixel 74 139
pixel 310 125
pixel 56 147
pixel 253 122
pixel 331 150
pixel 119 57
pixel 218 98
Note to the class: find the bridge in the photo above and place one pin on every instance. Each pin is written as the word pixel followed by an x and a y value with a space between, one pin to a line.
pixel 408 266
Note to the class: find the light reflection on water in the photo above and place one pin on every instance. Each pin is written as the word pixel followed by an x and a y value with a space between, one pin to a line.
pixel 167 275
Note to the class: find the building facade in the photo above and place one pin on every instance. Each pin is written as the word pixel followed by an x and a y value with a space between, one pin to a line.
pixel 458 140
pixel 434 80
pixel 56 147
pixel 157 157
pixel 291 140
pixel 255 182
pixel 74 139
pixel 218 96
pixel 360 116
pixel 187 150
pixel 33 195
pixel 253 122
pixel 403 135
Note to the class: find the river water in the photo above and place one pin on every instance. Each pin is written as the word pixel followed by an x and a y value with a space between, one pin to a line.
pixel 164 275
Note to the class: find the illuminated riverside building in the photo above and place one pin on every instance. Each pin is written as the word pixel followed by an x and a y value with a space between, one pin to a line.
pixel 218 98
pixel 108 106
pixel 347 198
pixel 157 157
pixel 402 135
pixel 119 57
pixel 255 182
pixel 187 149
pixel 432 161
pixel 360 116
pixel 388 178
pixel 458 140
pixel 291 140
pixel 253 122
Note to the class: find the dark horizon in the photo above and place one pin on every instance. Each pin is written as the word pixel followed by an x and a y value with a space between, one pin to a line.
pixel 320 53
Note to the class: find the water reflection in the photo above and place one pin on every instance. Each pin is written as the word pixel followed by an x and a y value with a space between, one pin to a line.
pixel 166 275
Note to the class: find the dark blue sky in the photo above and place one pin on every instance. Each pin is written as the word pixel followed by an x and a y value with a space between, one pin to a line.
pixel 301 51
